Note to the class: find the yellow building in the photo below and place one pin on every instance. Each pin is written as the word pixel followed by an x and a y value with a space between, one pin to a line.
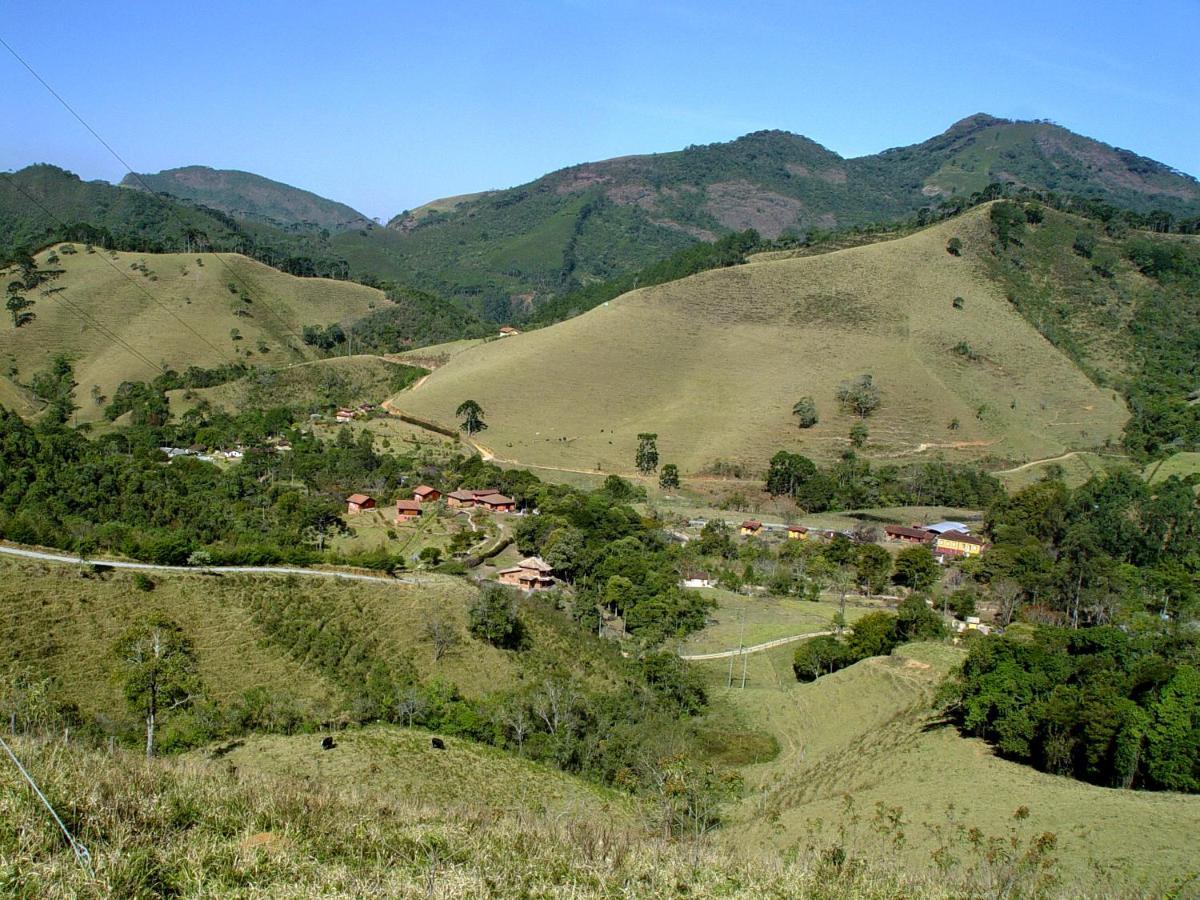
pixel 956 543
pixel 797 533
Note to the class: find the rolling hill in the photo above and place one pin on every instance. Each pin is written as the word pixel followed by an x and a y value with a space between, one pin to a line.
pixel 121 316
pixel 714 363
pixel 600 219
pixel 245 195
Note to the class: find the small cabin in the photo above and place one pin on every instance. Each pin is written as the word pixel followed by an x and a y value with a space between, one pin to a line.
pixel 407 511
pixel 507 331
pixel 497 503
pixel 357 503
pixel 797 533
pixel 907 535
pixel 751 527
pixel 426 494
pixel 531 574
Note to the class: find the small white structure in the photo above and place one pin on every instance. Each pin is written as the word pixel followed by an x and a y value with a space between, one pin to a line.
pixel 943 527
pixel 700 582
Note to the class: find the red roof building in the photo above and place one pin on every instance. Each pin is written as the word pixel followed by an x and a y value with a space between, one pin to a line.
pixel 497 503
pixel 426 494
pixel 909 535
pixel 357 503
pixel 407 510
pixel 530 574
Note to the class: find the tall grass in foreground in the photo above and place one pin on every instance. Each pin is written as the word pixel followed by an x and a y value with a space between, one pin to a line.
pixel 201 828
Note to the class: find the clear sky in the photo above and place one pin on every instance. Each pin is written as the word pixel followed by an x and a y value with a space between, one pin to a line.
pixel 387 105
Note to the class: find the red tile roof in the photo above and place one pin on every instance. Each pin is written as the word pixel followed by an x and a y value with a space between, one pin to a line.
pixel 358 498
pixel 408 506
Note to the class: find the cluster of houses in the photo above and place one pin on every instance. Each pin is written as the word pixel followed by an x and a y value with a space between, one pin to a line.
pixel 348 414
pixel 946 539
pixel 753 528
pixel 202 453
pixel 489 499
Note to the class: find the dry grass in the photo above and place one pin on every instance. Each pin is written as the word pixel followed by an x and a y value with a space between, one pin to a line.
pixel 178 289
pixel 713 364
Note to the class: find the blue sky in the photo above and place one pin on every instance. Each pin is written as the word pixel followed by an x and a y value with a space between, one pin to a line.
pixel 387 105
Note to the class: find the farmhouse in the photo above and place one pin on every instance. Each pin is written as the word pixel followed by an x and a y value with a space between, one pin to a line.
pixel 357 503
pixel 530 574
pixel 460 499
pixel 497 503
pixel 506 330
pixel 751 527
pixel 957 543
pixel 344 415
pixel 908 535
pixel 797 533
pixel 407 510
pixel 426 494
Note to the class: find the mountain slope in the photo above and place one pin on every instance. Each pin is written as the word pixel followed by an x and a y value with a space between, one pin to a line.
pixel 245 195
pixel 714 363
pixel 596 220
pixel 175 310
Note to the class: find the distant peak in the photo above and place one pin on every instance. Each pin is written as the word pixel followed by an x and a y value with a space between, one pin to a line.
pixel 975 123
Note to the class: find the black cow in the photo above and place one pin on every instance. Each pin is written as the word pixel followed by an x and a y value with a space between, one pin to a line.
pixel 438 744
pixel 328 743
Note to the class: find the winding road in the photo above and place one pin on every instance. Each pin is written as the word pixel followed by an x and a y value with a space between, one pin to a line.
pixel 200 570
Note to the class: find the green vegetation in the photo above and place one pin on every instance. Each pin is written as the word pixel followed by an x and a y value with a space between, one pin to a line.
pixel 471 414
pixel 1097 704
pixel 247 196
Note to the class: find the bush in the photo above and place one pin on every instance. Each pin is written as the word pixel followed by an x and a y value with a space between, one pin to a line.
pixel 954 246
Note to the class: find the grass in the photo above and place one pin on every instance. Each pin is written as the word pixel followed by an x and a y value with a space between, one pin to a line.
pixel 401 762
pixel 713 364
pixel 754 620
pixel 65 625
pixel 339 381
pixel 868 733
pixel 178 312
pixel 1181 465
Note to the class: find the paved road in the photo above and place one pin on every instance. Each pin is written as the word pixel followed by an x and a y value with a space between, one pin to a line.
pixel 230 570
pixel 778 642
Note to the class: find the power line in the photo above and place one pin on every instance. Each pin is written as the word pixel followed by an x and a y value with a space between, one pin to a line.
pixel 141 287
pixel 169 207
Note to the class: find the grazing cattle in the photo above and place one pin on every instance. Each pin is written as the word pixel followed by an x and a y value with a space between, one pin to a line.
pixel 328 743
pixel 438 744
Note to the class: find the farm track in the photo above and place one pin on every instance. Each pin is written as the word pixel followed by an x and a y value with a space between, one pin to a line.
pixel 200 570
pixel 756 648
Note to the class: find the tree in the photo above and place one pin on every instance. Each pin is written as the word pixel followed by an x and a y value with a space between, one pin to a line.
pixel 471 414
pixel 17 304
pixel 442 635
pixel 788 473
pixel 493 618
pixel 668 478
pixel 916 568
pixel 954 246
pixel 860 396
pixel 858 435
pixel 805 412
pixel 820 656
pixel 646 458
pixel 157 667
pixel 915 621
pixel 431 556
pixel 873 635
pixel 872 568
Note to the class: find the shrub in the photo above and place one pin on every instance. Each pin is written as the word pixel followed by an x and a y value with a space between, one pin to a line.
pixel 954 247
pixel 493 618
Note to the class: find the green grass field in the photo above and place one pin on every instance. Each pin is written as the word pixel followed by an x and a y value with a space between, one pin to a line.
pixel 713 364
pixel 1181 465
pixel 176 313
pixel 869 733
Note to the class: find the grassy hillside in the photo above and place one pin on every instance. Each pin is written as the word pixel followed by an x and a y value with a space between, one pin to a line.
pixel 868 733
pixel 244 195
pixel 338 381
pixel 714 363
pixel 599 219
pixel 175 310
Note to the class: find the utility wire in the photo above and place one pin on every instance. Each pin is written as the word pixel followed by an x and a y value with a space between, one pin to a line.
pixel 169 207
pixel 81 852
pixel 141 287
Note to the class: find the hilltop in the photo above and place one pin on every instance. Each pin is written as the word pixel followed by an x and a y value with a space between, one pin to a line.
pixel 714 363
pixel 600 219
pixel 245 195
pixel 123 316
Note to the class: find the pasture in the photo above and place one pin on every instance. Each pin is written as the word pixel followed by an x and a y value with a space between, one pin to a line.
pixel 714 363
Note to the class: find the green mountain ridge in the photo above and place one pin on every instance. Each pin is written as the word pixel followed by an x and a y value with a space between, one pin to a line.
pixel 245 195
pixel 596 220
